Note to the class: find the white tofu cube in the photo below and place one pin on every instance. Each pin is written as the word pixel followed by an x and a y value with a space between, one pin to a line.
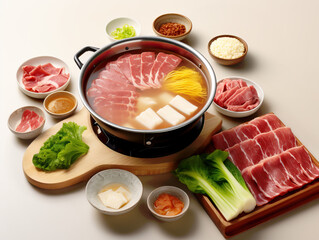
pixel 145 102
pixel 183 105
pixel 125 193
pixel 149 118
pixel 170 115
pixel 165 97
pixel 112 199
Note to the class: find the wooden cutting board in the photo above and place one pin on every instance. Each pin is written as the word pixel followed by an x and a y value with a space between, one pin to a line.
pixel 101 157
pixel 264 213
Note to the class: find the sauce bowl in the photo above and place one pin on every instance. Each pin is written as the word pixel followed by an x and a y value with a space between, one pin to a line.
pixel 64 103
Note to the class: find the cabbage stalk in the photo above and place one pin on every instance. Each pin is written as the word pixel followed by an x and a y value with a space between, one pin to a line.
pixel 214 175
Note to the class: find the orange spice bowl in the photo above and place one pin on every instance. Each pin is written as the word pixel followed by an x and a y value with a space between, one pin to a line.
pixel 174 18
pixel 225 61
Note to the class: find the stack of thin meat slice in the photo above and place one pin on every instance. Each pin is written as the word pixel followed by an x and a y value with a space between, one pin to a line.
pixel 115 91
pixel 268 156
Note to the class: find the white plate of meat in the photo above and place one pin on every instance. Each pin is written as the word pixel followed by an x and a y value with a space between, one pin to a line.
pixel 238 97
pixel 40 76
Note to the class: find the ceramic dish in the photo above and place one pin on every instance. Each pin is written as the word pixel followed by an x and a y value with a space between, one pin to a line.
pixel 119 23
pixel 234 114
pixel 224 61
pixel 15 119
pixel 172 191
pixel 175 18
pixel 59 101
pixel 111 176
pixel 38 61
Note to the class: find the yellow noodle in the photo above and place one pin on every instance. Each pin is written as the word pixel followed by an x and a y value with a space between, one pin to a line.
pixel 186 81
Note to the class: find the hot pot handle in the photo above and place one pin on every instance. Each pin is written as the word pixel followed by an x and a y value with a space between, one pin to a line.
pixel 81 52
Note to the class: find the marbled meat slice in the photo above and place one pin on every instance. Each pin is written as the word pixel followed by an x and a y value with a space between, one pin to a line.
pixel 163 64
pixel 230 137
pixel 252 151
pixel 301 155
pixel 135 62
pixel 264 182
pixel 147 60
pixel 30 120
pixel 123 62
pixel 43 78
pixel 260 198
pixel 281 173
pixel 245 98
pixel 277 141
pixel 278 172
pixel 114 75
pixel 239 157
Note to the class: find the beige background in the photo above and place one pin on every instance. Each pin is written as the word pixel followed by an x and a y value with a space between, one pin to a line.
pixel 283 39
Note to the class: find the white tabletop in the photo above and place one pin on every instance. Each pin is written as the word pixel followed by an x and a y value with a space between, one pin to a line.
pixel 283 39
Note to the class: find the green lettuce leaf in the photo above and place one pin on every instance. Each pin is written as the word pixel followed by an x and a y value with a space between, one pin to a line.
pixel 61 149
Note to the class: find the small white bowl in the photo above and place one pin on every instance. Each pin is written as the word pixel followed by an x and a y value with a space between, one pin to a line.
pixel 119 23
pixel 234 114
pixel 38 61
pixel 106 177
pixel 15 119
pixel 172 191
pixel 57 95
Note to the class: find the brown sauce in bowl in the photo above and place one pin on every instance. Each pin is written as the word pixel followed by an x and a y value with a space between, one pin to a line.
pixel 60 104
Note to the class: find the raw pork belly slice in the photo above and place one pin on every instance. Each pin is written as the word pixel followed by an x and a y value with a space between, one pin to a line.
pixel 163 64
pixel 279 174
pixel 29 121
pixel 252 151
pixel 249 130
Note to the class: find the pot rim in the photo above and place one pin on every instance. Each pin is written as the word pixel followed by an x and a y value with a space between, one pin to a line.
pixel 158 39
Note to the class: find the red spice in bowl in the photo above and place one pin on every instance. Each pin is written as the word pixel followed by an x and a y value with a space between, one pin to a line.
pixel 172 29
pixel 169 205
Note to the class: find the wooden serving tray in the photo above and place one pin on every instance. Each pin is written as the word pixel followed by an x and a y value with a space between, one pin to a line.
pixel 261 214
pixel 101 157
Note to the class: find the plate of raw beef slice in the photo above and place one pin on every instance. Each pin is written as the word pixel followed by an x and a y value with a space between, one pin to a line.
pixel 238 97
pixel 40 76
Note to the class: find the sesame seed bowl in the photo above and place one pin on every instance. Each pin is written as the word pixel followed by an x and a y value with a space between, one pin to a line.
pixel 228 51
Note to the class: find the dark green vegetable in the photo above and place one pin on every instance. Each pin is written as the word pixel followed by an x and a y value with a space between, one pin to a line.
pixel 61 149
pixel 214 175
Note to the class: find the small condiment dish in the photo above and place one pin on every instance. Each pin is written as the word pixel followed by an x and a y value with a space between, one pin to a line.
pixel 224 61
pixel 119 23
pixel 173 18
pixel 108 177
pixel 60 104
pixel 235 114
pixel 175 191
pixel 15 119
pixel 40 61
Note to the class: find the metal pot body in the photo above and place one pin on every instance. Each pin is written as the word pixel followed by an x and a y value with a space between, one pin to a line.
pixel 149 138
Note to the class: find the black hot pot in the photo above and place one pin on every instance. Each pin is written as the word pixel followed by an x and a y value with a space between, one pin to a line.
pixel 147 143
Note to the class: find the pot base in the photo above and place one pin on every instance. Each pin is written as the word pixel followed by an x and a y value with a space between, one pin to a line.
pixel 141 151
